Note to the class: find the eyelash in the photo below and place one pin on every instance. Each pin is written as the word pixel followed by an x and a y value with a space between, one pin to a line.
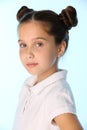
pixel 39 44
pixel 22 45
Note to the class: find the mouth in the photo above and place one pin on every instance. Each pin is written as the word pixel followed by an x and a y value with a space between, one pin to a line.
pixel 30 65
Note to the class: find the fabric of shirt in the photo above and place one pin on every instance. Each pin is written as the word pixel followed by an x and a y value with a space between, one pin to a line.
pixel 39 104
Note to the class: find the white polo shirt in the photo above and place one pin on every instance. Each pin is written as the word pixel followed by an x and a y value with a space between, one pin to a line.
pixel 39 104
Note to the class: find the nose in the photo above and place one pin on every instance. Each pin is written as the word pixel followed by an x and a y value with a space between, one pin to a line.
pixel 29 54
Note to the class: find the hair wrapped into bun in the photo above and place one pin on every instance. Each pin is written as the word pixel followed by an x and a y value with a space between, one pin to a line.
pixel 57 25
pixel 69 17
pixel 24 10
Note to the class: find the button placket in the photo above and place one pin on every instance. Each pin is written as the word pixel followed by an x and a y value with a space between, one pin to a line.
pixel 27 102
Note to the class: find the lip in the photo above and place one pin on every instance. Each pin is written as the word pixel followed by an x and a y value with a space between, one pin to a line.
pixel 31 64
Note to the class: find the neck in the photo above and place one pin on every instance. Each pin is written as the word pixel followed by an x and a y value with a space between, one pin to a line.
pixel 46 74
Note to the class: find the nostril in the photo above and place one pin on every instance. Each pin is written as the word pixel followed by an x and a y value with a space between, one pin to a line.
pixel 29 55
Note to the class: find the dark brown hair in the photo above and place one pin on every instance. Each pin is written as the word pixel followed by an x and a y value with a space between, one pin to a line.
pixel 59 24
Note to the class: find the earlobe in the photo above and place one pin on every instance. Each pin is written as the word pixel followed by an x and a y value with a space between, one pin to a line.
pixel 61 49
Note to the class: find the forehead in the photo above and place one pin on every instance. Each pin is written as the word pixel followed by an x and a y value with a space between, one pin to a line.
pixel 34 25
pixel 32 30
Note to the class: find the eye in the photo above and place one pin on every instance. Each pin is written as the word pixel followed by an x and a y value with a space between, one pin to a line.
pixel 22 45
pixel 39 44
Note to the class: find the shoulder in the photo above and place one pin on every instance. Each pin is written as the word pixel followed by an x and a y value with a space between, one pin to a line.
pixel 60 99
pixel 26 85
pixel 60 88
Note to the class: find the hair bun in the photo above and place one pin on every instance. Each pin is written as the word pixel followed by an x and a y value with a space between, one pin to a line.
pixel 69 17
pixel 23 11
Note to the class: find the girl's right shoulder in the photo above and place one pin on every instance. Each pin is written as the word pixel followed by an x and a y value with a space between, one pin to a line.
pixel 28 83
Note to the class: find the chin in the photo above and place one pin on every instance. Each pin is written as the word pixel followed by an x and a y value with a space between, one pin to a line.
pixel 32 72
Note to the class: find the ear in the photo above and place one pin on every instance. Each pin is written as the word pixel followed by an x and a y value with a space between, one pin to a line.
pixel 61 48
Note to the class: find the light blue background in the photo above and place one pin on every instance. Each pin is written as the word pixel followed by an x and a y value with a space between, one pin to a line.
pixel 12 74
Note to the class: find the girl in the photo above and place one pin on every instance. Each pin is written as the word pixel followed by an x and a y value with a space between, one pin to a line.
pixel 46 101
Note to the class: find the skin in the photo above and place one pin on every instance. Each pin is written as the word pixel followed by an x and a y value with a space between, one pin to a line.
pixel 39 55
pixel 38 51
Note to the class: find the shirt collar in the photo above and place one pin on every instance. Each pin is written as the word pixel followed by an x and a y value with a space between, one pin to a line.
pixel 36 89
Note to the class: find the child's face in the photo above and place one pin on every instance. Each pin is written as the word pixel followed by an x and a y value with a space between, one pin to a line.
pixel 38 51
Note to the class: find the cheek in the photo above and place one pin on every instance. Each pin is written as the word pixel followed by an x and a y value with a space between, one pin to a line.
pixel 48 59
pixel 52 60
pixel 52 55
pixel 21 54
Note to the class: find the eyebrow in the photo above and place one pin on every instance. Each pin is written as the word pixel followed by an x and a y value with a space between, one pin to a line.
pixel 36 38
pixel 41 38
